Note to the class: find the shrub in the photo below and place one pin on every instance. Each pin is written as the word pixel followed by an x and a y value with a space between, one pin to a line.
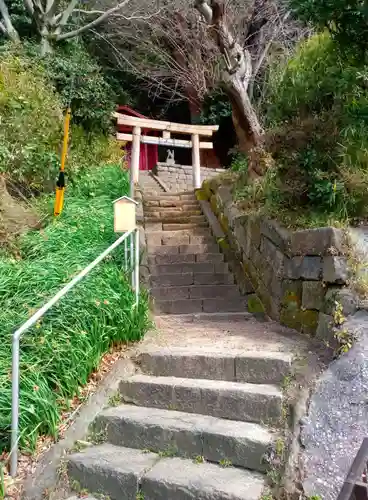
pixel 78 78
pixel 317 110
pixel 347 20
pixel 31 121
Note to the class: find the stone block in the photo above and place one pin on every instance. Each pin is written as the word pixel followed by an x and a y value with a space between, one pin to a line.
pixel 186 434
pixel 320 241
pixel 309 320
pixel 313 295
pixel 236 304
pixel 257 259
pixel 240 233
pixel 272 255
pixel 291 318
pixel 114 470
pixel 344 296
pixel 308 268
pixel 217 398
pixel 173 279
pixel 303 321
pixel 291 295
pixel 335 270
pixel 185 480
pixel 213 279
pixel 276 233
pixel 251 272
pixel 254 231
pixel 325 330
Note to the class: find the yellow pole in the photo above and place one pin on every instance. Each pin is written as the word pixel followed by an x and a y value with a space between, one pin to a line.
pixel 60 185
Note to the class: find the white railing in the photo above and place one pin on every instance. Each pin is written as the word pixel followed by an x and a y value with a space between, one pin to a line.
pixel 134 254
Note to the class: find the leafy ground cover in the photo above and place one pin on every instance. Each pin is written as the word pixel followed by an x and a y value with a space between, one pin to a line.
pixel 60 353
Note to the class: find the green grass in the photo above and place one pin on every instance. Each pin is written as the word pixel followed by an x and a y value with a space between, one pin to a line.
pixel 59 354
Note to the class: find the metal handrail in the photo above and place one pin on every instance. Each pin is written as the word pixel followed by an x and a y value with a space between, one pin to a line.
pixel 38 314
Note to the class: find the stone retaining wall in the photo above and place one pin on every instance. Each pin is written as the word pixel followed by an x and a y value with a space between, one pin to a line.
pixel 297 275
pixel 180 177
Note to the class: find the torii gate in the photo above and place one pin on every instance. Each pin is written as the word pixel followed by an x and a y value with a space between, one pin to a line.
pixel 195 131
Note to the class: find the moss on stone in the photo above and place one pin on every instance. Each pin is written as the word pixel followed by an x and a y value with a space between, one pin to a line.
pixel 291 318
pixel 305 321
pixel 224 222
pixel 291 301
pixel 309 321
pixel 254 304
pixel 223 243
pixel 213 203
pixel 201 195
pixel 206 187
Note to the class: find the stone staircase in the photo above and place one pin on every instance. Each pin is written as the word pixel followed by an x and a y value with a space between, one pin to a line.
pixel 187 269
pixel 203 411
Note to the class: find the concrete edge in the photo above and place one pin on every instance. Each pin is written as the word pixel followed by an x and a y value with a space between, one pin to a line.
pixel 212 219
pixel 160 182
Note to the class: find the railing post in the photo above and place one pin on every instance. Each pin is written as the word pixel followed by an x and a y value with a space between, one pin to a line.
pixel 134 161
pixel 136 267
pixel 196 162
pixel 132 259
pixel 15 407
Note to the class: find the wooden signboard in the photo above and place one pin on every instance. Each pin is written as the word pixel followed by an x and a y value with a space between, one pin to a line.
pixel 124 214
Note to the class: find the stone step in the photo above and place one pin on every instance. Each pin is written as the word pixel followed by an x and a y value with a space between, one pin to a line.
pixel 192 279
pixel 255 367
pixel 195 292
pixel 182 258
pixel 171 212
pixel 216 398
pixel 183 249
pixel 178 226
pixel 171 197
pixel 186 434
pixel 228 318
pixel 161 204
pixel 177 478
pixel 127 474
pixel 176 219
pixel 187 306
pixel 190 267
pixel 195 236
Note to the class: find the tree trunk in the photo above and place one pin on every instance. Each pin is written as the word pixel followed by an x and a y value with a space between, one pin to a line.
pixel 247 126
pixel 237 75
pixel 46 46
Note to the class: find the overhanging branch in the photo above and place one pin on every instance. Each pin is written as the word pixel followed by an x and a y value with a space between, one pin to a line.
pixel 92 24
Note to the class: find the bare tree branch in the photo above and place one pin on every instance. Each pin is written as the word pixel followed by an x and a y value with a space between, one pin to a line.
pixel 92 24
pixel 29 7
pixel 7 26
pixel 68 12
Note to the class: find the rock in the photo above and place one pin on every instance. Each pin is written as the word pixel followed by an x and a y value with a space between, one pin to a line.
pixel 335 270
pixel 320 241
pixel 313 293
pixel 309 268
pixel 344 296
